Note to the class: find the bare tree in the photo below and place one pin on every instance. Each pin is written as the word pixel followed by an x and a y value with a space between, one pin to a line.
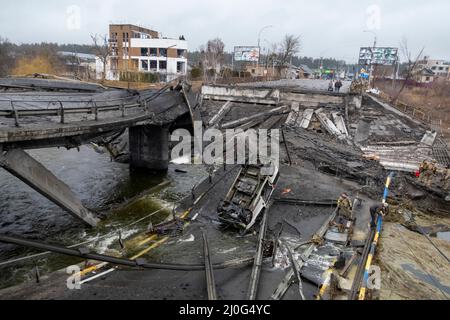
pixel 212 57
pixel 102 50
pixel 290 46
pixel 411 68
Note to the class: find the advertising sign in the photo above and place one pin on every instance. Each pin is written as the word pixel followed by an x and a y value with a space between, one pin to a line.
pixel 379 56
pixel 248 54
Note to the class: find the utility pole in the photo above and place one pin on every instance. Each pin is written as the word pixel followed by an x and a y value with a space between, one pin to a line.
pixel 372 56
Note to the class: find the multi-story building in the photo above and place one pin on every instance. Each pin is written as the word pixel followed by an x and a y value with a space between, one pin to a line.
pixel 137 49
pixel 440 68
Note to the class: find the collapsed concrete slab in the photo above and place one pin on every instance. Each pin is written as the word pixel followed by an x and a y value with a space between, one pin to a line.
pixel 328 124
pixel 429 138
pixel 340 123
pixel 34 174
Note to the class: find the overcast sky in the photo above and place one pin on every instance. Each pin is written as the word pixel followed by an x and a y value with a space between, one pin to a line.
pixel 328 27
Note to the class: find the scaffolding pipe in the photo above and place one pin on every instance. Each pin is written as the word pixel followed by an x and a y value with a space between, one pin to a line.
pixel 138 263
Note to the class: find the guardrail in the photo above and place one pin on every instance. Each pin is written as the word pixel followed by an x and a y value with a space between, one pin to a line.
pixel 417 113
pixel 90 108
pixel 62 112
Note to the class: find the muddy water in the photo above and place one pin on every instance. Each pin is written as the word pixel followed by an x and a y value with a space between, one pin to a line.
pixel 103 186
pixel 444 235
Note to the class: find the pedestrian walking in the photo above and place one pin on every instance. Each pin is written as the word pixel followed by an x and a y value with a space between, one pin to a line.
pixel 338 85
pixel 331 86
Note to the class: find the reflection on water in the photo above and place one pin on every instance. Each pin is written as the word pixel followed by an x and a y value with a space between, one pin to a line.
pixel 427 278
pixel 444 235
pixel 101 185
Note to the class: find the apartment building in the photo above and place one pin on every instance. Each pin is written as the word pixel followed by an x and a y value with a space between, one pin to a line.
pixel 137 49
pixel 440 68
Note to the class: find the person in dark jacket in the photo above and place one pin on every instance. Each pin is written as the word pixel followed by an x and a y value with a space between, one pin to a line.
pixel 376 210
pixel 338 85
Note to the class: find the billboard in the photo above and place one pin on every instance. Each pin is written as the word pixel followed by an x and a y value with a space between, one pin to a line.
pixel 381 56
pixel 249 54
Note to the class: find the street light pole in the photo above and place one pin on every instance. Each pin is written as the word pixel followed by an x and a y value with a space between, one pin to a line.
pixel 259 42
pixel 372 56
pixel 167 62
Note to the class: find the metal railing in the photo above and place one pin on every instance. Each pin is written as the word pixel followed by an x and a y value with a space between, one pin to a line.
pixel 417 113
pixel 91 107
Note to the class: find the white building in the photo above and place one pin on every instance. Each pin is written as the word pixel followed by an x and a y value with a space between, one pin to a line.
pixel 136 49
pixel 440 68
pixel 155 56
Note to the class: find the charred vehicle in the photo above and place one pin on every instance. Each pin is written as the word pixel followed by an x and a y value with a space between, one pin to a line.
pixel 248 196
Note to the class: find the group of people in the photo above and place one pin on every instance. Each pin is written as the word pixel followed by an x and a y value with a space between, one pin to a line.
pixel 427 173
pixel 429 170
pixel 335 85
pixel 345 209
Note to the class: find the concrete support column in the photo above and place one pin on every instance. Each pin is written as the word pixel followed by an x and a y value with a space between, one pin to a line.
pixel 149 147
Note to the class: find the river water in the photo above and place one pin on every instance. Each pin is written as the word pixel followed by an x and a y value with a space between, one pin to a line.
pixel 102 186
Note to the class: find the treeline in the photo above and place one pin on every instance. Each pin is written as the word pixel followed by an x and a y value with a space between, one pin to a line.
pixel 195 58
pixel 21 59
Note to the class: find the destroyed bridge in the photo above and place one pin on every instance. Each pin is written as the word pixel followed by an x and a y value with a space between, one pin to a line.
pixel 40 113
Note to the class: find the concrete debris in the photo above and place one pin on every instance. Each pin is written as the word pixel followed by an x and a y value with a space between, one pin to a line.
pixel 340 123
pixel 222 112
pixel 306 118
pixel 234 124
pixel 314 126
pixel 401 158
pixel 328 124
pixel 429 138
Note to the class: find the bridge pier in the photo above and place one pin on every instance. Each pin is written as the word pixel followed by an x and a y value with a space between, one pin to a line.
pixel 149 147
pixel 23 166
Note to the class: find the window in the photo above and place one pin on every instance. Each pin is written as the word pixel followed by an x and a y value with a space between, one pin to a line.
pixel 162 65
pixel 144 52
pixel 163 52
pixel 180 53
pixel 153 52
pixel 144 65
pixel 433 68
pixel 441 68
pixel 427 79
pixel 180 67
pixel 153 65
